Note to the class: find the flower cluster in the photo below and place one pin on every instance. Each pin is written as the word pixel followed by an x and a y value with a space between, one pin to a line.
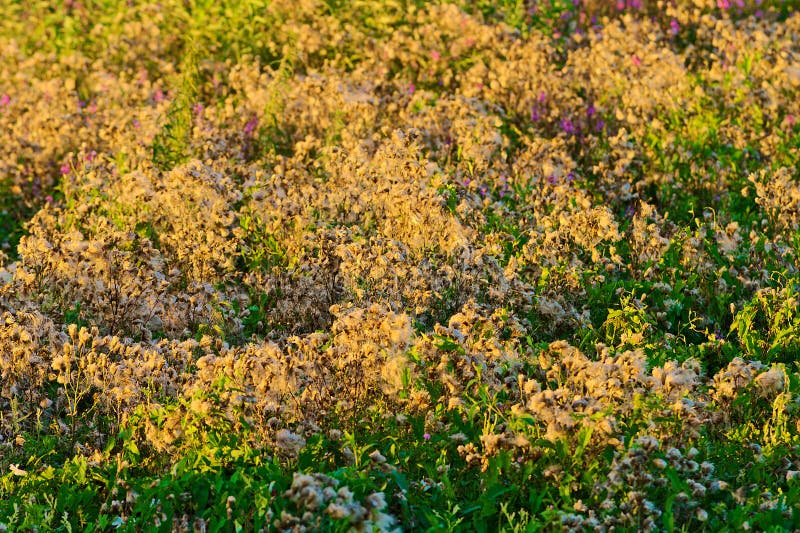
pixel 528 234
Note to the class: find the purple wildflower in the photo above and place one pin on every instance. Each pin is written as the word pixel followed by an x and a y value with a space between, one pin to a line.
pixel 504 185
pixel 427 436
pixel 411 88
pixel 5 100
pixel 674 26
pixel 435 55
pixel 65 169
pixel 197 109
pixel 251 126
pixel 591 110
pixel 568 126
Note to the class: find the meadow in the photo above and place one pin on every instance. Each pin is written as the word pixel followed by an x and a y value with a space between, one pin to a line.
pixel 396 265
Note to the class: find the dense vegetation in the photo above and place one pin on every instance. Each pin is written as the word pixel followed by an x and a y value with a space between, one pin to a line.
pixel 352 265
